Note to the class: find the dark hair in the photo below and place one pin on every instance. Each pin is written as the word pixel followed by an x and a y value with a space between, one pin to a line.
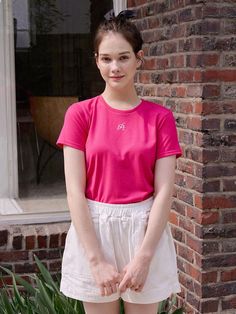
pixel 119 24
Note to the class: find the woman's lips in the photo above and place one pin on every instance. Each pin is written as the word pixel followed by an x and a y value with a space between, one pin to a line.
pixel 116 77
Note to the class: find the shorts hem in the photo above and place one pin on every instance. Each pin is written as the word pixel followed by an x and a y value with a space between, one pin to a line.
pixel 153 296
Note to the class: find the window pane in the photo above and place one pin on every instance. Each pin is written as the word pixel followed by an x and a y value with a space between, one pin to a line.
pixel 54 67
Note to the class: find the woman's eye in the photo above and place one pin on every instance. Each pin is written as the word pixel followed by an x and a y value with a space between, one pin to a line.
pixel 106 59
pixel 124 58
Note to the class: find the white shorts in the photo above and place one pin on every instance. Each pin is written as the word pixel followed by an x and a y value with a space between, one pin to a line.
pixel 120 228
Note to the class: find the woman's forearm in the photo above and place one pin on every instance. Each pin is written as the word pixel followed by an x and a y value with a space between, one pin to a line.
pixel 157 221
pixel 83 223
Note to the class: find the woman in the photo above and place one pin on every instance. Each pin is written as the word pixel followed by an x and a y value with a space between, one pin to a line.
pixel 119 153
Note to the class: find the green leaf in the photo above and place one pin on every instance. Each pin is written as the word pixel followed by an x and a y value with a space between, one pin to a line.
pixel 44 297
pixel 7 303
pixel 46 275
pixel 20 280
pixel 179 311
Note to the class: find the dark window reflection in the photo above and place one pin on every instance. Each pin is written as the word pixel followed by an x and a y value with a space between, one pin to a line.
pixel 54 67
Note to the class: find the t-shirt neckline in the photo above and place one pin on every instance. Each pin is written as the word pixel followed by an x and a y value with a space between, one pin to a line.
pixel 123 111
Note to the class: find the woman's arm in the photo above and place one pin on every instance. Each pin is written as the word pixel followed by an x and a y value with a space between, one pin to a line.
pixel 104 274
pixel 136 271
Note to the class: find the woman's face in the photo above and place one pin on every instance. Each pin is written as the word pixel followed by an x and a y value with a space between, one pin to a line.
pixel 117 61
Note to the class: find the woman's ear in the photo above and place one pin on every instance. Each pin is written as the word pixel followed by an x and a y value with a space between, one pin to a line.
pixel 139 56
pixel 96 58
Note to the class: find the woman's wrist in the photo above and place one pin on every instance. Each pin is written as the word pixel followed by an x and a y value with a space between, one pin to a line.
pixel 95 259
pixel 145 256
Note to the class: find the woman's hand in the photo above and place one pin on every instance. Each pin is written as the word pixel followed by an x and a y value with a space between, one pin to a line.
pixel 106 277
pixel 135 274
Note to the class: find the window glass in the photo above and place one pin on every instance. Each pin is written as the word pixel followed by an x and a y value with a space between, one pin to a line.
pixel 54 67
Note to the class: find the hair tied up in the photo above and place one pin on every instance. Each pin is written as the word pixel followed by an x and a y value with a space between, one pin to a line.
pixel 123 15
pixel 127 14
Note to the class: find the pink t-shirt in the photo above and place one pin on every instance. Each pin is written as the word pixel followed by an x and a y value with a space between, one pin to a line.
pixel 121 147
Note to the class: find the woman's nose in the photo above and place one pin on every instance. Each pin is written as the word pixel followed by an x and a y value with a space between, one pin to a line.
pixel 115 66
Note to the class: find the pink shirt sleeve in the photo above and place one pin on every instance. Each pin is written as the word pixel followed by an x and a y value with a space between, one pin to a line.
pixel 74 131
pixel 167 139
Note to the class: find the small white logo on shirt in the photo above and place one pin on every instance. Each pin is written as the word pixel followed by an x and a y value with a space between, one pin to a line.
pixel 121 127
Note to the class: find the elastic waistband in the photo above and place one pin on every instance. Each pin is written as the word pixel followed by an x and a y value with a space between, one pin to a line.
pixel 107 208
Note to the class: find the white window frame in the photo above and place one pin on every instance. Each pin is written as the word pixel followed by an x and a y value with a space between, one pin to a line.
pixel 10 210
pixel 119 5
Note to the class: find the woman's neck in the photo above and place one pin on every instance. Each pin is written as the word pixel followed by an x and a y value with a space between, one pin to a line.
pixel 121 99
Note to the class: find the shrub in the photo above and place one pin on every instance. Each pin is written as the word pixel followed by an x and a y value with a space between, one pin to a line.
pixel 44 296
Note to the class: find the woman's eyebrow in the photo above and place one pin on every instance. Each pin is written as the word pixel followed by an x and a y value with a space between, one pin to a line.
pixel 107 54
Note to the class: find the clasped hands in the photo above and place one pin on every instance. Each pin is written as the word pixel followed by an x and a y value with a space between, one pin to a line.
pixel 110 281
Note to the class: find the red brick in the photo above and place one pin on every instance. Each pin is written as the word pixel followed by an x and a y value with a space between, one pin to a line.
pixel 42 241
pixel 194 154
pixel 186 76
pixel 6 280
pixel 173 219
pixel 186 224
pixel 144 77
pixel 211 91
pixel 219 290
pixel 55 266
pixel 210 155
pixel 228 275
pixel 177 61
pixel 63 239
pixel 54 241
pixel 217 75
pixel 216 201
pixel 185 137
pixel 185 196
pixel 30 242
pixel 208 277
pixel 185 252
pixel 194 183
pixel 178 91
pixel 229 303
pixel 187 282
pixel 150 64
pixel 186 15
pixel 194 123
pixel 170 47
pixel 209 306
pixel 17 242
pixel 229 185
pixel 212 186
pixel 194 213
pixel 229 216
pixel 194 243
pixel 163 91
pixel 211 124
pixel 210 247
pixel 26 268
pixel 229 245
pixel 193 300
pixel 218 260
pixel 210 10
pixel 13 256
pixel 194 91
pixel 197 105
pixel 3 237
pixel 153 22
pixel 209 218
pixel 184 107
pixel 192 271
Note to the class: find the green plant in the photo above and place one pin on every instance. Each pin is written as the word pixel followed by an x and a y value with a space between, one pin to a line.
pixel 44 296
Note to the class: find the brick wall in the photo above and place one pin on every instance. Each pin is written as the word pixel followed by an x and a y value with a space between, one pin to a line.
pixel 190 67
pixel 19 243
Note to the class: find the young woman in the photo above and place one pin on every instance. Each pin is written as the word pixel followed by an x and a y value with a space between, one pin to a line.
pixel 119 153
